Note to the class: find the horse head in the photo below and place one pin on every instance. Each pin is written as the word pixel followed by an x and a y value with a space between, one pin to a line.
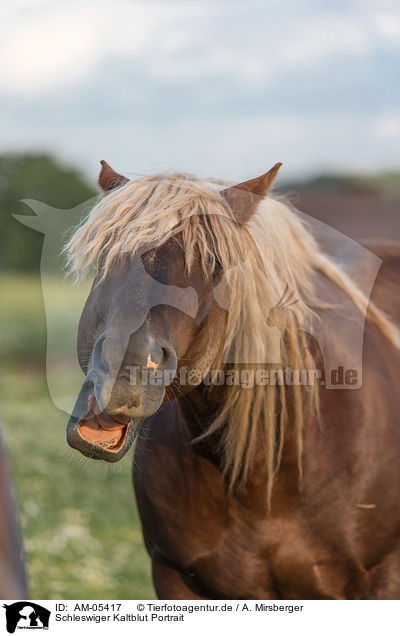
pixel 149 313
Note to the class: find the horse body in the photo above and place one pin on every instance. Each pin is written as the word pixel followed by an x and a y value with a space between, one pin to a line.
pixel 277 491
pixel 338 537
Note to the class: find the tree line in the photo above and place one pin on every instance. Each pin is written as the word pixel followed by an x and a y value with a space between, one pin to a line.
pixel 40 177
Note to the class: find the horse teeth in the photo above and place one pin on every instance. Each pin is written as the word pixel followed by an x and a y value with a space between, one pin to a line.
pixel 109 444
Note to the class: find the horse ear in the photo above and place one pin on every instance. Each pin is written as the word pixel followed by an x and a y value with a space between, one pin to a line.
pixel 108 178
pixel 244 197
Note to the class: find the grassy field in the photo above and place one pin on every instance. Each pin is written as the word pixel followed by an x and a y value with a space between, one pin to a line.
pixel 80 525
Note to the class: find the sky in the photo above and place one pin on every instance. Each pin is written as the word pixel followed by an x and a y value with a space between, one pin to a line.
pixel 223 89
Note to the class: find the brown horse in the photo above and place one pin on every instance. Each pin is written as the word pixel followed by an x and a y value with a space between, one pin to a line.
pixel 208 334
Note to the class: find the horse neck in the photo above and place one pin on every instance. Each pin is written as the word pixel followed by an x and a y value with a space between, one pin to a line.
pixel 197 411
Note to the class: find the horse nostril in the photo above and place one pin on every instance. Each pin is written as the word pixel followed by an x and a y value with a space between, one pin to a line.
pixel 159 355
pixel 168 355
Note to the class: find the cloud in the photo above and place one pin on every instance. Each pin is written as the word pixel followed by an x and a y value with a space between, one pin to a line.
pixel 62 45
pixel 388 25
pixel 49 51
pixel 387 127
pixel 216 87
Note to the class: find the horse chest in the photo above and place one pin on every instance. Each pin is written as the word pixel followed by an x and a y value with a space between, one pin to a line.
pixel 232 551
pixel 252 558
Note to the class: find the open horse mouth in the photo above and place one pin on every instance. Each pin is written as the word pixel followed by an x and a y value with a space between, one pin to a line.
pixel 104 430
pixel 99 435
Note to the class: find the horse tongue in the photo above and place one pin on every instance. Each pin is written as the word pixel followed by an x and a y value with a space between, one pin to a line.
pixel 106 421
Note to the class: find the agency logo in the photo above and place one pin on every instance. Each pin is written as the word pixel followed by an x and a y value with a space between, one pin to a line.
pixel 26 615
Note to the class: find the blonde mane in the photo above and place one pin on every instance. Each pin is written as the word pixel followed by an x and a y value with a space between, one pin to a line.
pixel 271 252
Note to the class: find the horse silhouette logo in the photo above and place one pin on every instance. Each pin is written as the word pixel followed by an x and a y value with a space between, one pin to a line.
pixel 26 615
pixel 55 225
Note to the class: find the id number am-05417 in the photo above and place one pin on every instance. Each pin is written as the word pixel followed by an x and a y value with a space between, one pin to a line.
pixel 97 607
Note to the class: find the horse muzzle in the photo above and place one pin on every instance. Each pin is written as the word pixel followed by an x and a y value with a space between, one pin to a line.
pixel 95 433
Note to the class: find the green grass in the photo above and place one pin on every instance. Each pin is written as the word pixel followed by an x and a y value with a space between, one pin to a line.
pixel 79 520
